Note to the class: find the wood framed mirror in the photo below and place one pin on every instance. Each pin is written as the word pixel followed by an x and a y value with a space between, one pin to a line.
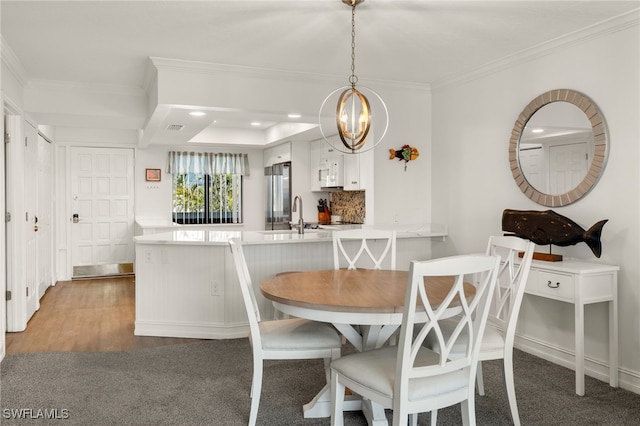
pixel 558 147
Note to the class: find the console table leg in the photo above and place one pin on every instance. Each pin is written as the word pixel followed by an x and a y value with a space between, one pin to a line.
pixel 579 319
pixel 613 342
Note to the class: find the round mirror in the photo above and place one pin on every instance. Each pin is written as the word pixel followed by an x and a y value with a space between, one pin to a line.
pixel 558 147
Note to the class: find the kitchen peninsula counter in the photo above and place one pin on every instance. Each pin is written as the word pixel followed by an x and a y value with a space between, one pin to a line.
pixel 186 284
pixel 198 236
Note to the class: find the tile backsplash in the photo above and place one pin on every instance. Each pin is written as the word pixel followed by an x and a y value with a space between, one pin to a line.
pixel 349 204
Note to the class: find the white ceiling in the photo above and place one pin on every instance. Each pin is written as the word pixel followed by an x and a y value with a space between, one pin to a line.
pixel 110 42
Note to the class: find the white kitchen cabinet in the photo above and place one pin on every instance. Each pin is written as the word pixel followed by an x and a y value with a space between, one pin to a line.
pixel 327 168
pixel 277 154
pixel 356 170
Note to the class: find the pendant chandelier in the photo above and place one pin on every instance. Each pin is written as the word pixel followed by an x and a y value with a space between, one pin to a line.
pixel 354 112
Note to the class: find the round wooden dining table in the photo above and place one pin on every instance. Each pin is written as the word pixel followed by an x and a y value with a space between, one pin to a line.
pixel 364 305
pixel 351 297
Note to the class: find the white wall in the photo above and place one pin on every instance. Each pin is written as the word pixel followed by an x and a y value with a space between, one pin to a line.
pixel 404 196
pixel 472 182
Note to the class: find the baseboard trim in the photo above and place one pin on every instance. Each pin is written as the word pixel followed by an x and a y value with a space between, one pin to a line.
pixel 189 330
pixel 598 369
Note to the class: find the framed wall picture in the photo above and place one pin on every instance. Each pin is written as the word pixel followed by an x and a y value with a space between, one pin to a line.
pixel 153 175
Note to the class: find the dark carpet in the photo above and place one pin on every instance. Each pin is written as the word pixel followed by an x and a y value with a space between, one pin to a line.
pixel 208 383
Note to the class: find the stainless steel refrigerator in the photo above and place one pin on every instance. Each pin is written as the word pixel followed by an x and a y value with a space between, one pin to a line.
pixel 278 196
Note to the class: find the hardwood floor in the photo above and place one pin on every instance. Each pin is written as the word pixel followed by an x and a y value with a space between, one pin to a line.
pixel 92 315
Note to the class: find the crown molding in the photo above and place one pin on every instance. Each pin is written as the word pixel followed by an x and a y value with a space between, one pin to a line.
pixel 10 59
pixel 601 29
pixel 187 66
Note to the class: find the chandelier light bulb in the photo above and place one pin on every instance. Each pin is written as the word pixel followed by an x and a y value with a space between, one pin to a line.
pixel 353 118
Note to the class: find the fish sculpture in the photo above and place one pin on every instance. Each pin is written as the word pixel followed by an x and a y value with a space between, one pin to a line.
pixel 549 227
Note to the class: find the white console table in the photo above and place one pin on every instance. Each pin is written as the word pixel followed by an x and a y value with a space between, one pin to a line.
pixel 580 283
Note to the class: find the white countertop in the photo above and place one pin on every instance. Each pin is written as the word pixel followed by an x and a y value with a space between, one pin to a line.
pixel 221 237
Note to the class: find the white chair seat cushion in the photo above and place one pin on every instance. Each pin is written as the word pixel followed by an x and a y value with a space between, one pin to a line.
pixel 493 340
pixel 376 370
pixel 298 334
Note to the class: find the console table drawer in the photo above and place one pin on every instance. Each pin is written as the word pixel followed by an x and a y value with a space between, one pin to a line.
pixel 555 286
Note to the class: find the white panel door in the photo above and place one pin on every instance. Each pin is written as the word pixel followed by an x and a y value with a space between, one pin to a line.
pixel 31 210
pixel 102 191
pixel 568 166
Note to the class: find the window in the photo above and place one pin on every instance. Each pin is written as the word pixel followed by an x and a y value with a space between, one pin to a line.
pixel 200 198
pixel 207 187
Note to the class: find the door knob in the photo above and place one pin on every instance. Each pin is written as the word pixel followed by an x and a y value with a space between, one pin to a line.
pixel 75 218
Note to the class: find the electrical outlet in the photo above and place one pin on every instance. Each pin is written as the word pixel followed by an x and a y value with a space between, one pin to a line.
pixel 215 288
pixel 148 258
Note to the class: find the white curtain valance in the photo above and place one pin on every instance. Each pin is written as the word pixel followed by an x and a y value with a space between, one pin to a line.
pixel 182 162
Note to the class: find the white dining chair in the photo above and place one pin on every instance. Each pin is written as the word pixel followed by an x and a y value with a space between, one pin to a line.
pixel 503 316
pixel 375 256
pixel 280 339
pixel 410 378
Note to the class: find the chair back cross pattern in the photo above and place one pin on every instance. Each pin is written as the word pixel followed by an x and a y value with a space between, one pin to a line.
pixel 366 238
pixel 469 322
pixel 512 279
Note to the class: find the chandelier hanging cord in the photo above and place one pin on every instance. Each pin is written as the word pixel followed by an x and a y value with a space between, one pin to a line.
pixel 353 79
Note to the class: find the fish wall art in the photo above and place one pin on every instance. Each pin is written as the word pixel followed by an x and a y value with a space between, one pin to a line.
pixel 549 227
pixel 407 153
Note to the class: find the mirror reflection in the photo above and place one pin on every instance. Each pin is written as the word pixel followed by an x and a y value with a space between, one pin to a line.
pixel 558 147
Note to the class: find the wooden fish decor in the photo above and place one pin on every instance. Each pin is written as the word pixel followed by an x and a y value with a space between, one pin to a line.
pixel 407 153
pixel 549 227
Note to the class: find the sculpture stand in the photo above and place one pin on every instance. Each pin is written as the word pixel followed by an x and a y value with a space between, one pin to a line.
pixel 547 257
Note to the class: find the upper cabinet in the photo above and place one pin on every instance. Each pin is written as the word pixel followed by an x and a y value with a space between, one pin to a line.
pixel 331 168
pixel 277 154
pixel 358 171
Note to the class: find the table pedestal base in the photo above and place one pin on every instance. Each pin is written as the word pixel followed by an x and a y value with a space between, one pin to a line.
pixel 320 406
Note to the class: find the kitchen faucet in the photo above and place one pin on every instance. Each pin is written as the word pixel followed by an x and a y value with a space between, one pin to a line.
pixel 293 209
